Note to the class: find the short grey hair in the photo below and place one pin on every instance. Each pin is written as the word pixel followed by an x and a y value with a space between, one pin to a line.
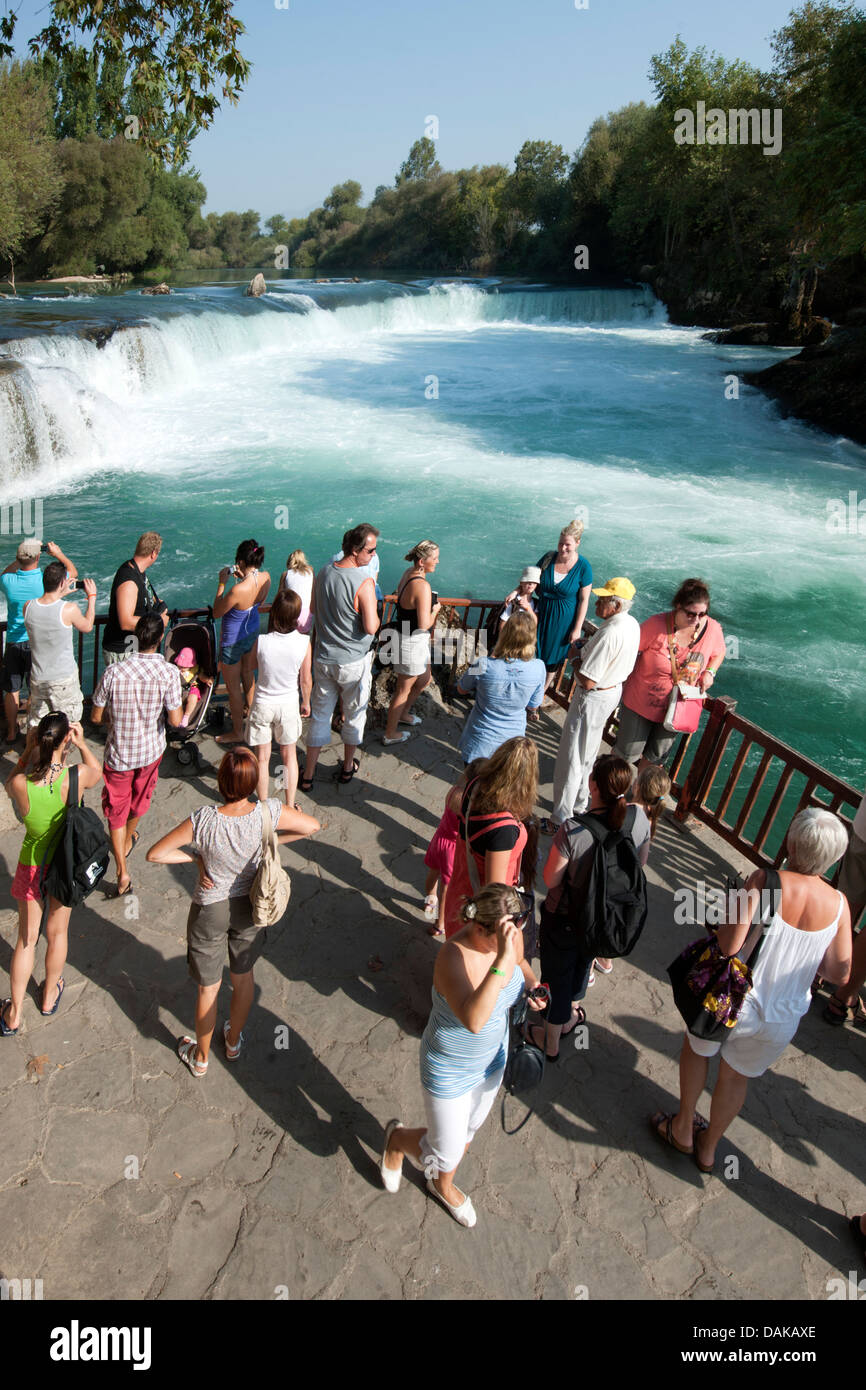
pixel 624 603
pixel 816 839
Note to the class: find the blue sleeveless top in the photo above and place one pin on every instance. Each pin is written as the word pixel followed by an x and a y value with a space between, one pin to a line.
pixel 453 1060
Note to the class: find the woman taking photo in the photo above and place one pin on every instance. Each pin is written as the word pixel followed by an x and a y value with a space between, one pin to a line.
pixel 479 974
pixel 809 931
pixel 565 967
pixel 414 619
pixel 41 793
pixel 685 644
pixel 239 609
pixel 284 664
pixel 227 841
pixel 494 809
pixel 511 681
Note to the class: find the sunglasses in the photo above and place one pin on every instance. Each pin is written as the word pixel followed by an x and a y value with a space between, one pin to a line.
pixel 526 907
pixel 695 612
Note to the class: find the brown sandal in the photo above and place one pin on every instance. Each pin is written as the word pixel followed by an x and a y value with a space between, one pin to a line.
pixel 667 1136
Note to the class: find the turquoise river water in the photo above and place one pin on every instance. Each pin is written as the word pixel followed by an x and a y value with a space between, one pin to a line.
pixel 483 414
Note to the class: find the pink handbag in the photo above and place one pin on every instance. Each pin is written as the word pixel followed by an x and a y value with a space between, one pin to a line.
pixel 683 714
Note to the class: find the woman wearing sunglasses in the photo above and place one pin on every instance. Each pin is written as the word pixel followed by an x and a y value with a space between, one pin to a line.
pixel 685 644
pixel 479 974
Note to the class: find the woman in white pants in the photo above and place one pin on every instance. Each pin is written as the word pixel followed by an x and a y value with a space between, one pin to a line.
pixel 479 974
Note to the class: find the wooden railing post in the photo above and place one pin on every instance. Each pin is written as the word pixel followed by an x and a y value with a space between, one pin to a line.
pixel 720 708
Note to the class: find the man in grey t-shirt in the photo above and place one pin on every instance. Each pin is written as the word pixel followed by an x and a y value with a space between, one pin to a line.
pixel 346 621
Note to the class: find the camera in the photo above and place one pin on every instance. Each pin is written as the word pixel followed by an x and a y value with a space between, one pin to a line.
pixel 44 549
pixel 77 584
pixel 434 597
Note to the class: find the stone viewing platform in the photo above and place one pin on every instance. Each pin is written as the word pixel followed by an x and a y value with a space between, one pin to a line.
pixel 123 1177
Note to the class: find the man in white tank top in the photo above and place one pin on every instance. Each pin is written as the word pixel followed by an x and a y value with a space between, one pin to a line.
pixel 346 621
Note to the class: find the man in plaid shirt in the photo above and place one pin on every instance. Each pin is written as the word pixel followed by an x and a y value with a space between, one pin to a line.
pixel 139 694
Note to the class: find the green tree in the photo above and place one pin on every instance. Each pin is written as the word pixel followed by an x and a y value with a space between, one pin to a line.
pixel 30 179
pixel 183 59
pixel 536 190
pixel 421 163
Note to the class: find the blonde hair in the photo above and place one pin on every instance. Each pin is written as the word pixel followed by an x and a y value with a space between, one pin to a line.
pixel 508 780
pixel 297 562
pixel 651 788
pixel 516 641
pixel 495 900
pixel 422 551
pixel 574 528
pixel 148 543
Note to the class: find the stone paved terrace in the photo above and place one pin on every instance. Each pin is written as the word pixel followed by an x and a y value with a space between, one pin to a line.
pixel 264 1173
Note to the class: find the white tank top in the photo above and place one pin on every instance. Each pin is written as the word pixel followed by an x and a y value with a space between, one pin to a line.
pixel 786 967
pixel 50 641
pixel 281 656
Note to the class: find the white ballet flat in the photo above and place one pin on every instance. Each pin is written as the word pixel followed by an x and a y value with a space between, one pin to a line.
pixel 391 1177
pixel 464 1215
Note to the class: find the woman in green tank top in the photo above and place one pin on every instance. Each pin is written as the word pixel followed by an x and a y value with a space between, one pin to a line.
pixel 40 792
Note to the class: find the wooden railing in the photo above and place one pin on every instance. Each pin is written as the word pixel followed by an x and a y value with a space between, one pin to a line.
pixel 731 775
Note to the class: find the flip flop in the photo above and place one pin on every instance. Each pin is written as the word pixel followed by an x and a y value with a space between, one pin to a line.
pixel 123 892
pixel 61 985
pixel 345 774
pixel 5 1030
pixel 136 836
pixel 306 784
pixel 666 1136
pixel 578 1017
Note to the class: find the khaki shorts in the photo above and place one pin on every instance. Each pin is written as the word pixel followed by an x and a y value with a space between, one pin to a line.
pixel 212 927
pixel 278 719
pixel 56 697
pixel 852 875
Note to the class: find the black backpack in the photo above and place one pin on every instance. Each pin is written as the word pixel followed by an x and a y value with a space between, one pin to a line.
pixel 82 854
pixel 607 906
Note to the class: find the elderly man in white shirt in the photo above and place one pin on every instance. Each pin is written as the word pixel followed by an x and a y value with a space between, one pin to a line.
pixel 606 661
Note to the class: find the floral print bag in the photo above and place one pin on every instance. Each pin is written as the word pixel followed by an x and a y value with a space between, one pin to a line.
pixel 709 987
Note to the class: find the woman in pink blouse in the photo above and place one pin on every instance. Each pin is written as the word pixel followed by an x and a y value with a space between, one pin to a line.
pixel 683 645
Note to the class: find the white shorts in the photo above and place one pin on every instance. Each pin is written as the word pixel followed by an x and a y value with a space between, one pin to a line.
pixel 413 654
pixel 56 697
pixel 754 1045
pixel 453 1123
pixel 274 719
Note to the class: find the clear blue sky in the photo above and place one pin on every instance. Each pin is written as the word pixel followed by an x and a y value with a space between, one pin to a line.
pixel 341 88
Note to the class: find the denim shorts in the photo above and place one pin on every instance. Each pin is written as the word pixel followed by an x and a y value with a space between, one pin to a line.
pixel 231 655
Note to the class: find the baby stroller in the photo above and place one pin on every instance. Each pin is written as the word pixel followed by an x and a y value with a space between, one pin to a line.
pixel 195 630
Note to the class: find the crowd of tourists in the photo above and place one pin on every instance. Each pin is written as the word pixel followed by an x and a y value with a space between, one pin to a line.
pixel 315 662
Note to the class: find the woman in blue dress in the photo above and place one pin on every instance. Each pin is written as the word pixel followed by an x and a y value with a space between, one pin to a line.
pixel 563 597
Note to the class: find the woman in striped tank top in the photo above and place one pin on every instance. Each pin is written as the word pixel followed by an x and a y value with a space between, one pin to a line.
pixel 479 974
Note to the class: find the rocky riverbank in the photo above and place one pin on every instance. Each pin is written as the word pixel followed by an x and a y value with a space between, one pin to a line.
pixel 825 384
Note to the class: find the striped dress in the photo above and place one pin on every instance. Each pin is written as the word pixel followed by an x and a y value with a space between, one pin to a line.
pixel 453 1060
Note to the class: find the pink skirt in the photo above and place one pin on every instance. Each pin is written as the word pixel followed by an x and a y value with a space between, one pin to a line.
pixel 441 850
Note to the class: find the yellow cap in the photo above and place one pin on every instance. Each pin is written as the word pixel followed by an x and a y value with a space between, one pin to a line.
pixel 617 588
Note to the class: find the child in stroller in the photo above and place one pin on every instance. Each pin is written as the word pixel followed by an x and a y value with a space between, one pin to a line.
pixel 192 680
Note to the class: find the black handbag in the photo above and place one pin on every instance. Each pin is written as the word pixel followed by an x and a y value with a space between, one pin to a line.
pixel 524 1069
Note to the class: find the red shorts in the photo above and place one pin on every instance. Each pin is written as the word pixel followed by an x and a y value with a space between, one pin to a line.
pixel 27 883
pixel 128 794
